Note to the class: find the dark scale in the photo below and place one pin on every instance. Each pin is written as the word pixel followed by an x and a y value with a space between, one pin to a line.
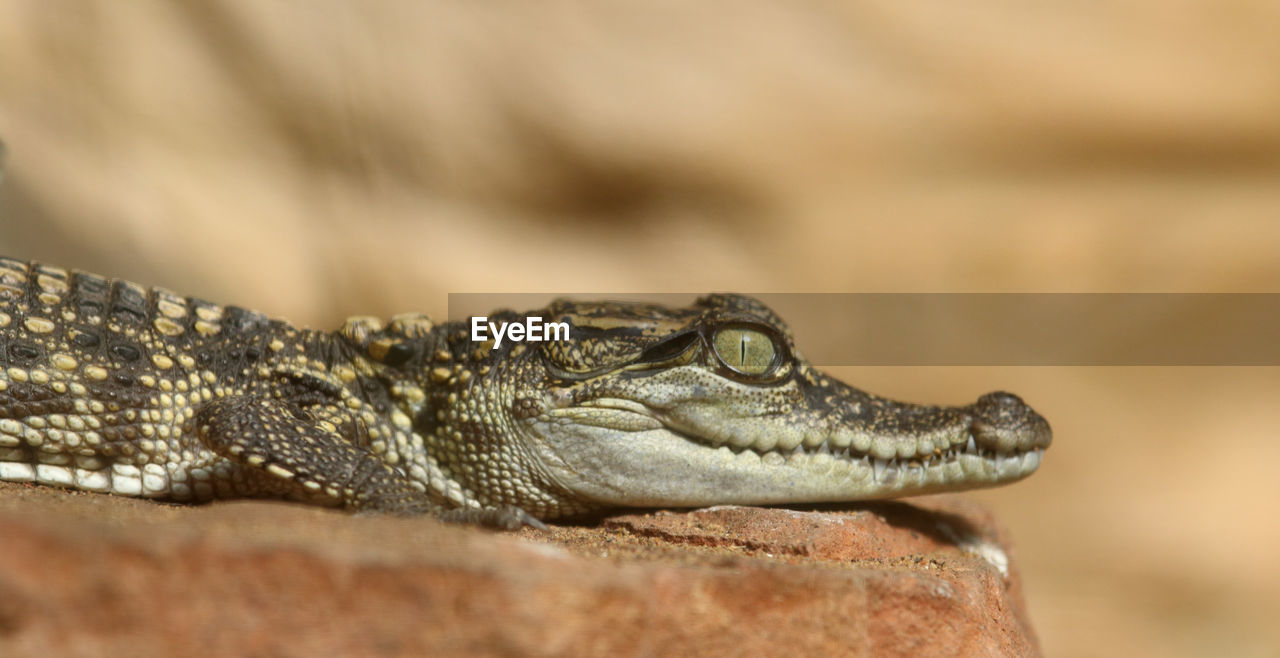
pixel 126 352
pixel 22 352
pixel 128 303
pixel 85 340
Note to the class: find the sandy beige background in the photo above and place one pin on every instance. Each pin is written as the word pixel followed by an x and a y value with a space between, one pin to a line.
pixel 320 159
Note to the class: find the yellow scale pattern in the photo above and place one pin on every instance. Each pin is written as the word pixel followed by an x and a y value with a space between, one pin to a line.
pixel 101 382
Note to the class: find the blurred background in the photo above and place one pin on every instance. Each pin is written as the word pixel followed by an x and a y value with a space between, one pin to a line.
pixel 322 159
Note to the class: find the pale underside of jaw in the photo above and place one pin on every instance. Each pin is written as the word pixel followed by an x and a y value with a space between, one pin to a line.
pixel 812 471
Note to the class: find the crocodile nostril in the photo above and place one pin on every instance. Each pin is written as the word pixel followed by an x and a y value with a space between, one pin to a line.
pixel 1001 398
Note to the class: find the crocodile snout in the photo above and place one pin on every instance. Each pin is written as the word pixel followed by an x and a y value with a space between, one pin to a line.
pixel 1004 423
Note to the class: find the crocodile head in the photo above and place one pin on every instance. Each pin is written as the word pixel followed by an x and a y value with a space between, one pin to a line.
pixel 651 406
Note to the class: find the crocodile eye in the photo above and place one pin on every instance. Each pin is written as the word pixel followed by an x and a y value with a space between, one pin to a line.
pixel 746 351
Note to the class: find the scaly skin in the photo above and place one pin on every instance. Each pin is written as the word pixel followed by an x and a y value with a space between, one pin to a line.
pixel 108 386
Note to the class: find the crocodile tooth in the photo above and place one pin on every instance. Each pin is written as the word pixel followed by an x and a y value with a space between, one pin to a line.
pixel 862 442
pixel 884 447
pixel 1008 466
pixel 880 465
pixel 764 443
pixel 971 446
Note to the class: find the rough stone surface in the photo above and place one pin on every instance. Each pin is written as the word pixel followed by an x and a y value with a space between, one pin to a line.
pixel 87 575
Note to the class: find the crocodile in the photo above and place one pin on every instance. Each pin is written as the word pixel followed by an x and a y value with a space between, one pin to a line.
pixel 109 386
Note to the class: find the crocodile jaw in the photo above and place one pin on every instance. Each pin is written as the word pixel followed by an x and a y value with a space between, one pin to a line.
pixel 658 467
pixel 680 445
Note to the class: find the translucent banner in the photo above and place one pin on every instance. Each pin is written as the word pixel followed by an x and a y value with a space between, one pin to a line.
pixel 998 329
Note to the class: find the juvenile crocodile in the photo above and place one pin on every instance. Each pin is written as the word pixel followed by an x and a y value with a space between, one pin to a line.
pixel 112 387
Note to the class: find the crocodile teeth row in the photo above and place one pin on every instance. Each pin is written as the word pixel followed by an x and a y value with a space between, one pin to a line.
pixel 1024 460
pixel 849 452
pixel 884 470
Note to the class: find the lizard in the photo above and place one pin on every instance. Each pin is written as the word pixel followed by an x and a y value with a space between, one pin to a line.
pixel 109 386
